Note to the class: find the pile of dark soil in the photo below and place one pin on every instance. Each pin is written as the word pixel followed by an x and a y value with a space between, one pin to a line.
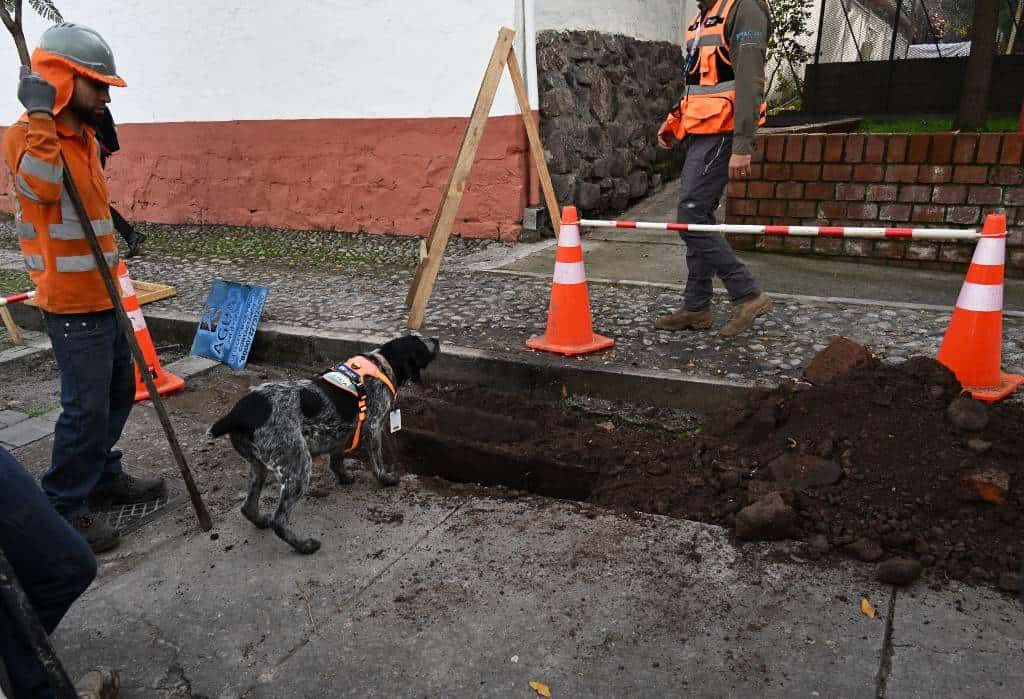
pixel 869 465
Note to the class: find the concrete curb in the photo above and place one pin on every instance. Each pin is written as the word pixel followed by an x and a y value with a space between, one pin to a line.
pixel 804 298
pixel 536 374
pixel 35 343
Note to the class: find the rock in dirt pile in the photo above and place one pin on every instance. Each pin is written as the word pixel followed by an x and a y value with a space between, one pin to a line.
pixel 890 464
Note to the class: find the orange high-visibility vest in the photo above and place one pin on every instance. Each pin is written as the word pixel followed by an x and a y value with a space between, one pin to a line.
pixel 709 99
pixel 56 254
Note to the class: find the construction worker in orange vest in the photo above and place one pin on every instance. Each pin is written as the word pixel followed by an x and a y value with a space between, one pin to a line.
pixel 65 92
pixel 716 119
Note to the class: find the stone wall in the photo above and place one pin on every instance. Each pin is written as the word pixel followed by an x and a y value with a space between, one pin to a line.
pixel 896 180
pixel 602 99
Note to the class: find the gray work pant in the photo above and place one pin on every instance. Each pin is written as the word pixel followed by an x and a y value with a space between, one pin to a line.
pixel 705 174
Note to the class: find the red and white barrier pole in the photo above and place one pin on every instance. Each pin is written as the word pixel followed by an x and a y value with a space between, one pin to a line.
pixel 805 231
pixel 8 300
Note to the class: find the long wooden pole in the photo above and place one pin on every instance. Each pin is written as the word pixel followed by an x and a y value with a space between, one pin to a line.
pixel 426 273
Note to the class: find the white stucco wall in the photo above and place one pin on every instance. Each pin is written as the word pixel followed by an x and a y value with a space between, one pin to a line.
pixel 196 60
pixel 650 20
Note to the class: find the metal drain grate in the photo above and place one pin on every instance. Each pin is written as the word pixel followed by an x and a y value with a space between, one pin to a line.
pixel 126 518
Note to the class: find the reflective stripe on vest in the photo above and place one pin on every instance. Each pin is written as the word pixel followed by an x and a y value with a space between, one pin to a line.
pixel 37 168
pixel 727 86
pixel 27 191
pixel 71 228
pixel 84 263
pixel 26 231
pixel 707 40
pixel 34 263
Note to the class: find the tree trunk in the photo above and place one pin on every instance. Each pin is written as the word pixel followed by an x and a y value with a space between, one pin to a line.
pixel 978 79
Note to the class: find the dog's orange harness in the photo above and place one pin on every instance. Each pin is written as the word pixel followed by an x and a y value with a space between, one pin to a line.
pixel 351 377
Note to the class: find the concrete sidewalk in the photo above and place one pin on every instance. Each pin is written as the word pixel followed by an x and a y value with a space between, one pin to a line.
pixel 467 596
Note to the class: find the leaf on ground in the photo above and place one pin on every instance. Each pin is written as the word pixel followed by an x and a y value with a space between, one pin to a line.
pixel 868 608
pixel 607 426
pixel 541 689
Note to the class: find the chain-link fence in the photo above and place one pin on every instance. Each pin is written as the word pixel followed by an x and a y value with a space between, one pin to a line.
pixel 889 30
pixel 902 48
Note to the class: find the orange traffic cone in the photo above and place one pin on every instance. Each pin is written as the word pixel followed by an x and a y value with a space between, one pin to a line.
pixel 973 346
pixel 165 381
pixel 569 329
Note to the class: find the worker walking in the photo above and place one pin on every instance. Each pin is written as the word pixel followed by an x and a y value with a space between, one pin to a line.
pixel 716 120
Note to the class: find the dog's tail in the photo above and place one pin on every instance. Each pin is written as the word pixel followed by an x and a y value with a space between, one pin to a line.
pixel 248 414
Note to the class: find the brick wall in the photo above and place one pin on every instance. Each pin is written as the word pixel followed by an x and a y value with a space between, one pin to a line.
pixel 936 181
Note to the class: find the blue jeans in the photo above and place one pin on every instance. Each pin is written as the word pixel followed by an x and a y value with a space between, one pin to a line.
pixel 97 389
pixel 53 563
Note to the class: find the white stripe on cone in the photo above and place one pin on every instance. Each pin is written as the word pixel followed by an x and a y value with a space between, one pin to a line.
pixel 980 297
pixel 127 288
pixel 137 319
pixel 570 273
pixel 569 237
pixel 990 251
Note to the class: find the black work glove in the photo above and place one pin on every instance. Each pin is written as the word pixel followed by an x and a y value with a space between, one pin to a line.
pixel 35 93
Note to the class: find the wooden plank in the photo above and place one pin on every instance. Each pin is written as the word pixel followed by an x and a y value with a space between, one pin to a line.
pixel 425 246
pixel 148 292
pixel 12 327
pixel 533 135
pixel 427 275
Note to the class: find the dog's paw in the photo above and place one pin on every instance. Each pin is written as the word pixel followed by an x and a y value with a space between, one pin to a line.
pixel 262 521
pixel 307 546
pixel 386 478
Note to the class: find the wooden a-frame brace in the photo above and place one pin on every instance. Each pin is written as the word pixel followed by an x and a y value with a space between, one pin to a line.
pixel 432 249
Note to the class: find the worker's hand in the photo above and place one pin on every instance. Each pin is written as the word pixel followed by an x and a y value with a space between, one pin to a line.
pixel 739 166
pixel 35 93
pixel 665 139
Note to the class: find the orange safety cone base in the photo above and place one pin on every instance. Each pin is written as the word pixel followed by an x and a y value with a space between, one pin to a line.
pixel 596 344
pixel 1008 383
pixel 166 383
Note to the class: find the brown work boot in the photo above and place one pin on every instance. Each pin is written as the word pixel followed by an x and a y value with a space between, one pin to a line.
pixel 743 314
pixel 685 320
pixel 101 683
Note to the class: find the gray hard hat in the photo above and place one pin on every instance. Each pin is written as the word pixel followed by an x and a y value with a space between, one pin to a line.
pixel 84 46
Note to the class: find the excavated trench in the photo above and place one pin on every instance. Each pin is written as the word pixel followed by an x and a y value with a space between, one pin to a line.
pixel 471 445
pixel 884 461
pixel 576 449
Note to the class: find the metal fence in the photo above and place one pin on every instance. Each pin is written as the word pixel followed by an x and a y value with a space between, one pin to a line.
pixel 883 56
pixel 893 30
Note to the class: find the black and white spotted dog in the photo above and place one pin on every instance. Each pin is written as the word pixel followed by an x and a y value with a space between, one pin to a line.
pixel 279 427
